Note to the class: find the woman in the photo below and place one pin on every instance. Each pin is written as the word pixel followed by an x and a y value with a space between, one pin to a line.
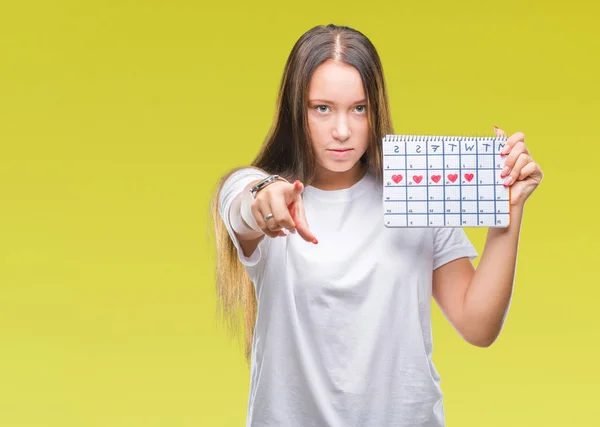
pixel 337 306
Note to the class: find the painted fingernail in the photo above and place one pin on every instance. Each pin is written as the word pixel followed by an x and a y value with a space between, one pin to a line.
pixel 315 241
pixel 496 129
pixel 508 181
pixel 504 171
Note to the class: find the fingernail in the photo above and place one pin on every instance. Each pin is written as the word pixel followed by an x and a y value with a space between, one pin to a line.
pixel 504 171
pixel 508 181
pixel 496 129
pixel 315 241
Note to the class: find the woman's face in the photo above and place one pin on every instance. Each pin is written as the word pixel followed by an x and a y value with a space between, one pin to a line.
pixel 337 117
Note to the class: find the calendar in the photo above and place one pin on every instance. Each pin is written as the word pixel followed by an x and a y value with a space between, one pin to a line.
pixel 444 181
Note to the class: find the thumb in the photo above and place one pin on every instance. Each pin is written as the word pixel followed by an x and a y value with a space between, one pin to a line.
pixel 294 191
pixel 298 188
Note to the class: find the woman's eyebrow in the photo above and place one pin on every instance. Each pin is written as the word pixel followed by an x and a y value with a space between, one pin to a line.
pixel 325 101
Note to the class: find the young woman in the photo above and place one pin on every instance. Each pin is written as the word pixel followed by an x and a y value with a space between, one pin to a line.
pixel 336 305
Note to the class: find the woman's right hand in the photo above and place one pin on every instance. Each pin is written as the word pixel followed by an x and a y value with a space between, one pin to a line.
pixel 284 201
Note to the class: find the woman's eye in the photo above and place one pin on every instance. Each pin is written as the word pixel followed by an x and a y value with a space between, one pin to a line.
pixel 318 107
pixel 364 108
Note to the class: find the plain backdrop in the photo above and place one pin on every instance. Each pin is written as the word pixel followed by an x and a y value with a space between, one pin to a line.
pixel 117 118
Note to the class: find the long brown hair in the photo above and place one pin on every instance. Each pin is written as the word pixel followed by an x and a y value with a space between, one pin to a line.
pixel 286 150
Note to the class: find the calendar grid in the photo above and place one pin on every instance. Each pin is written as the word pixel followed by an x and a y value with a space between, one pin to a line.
pixel 462 184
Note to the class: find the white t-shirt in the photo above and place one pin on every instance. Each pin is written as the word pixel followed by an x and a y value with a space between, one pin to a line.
pixel 343 332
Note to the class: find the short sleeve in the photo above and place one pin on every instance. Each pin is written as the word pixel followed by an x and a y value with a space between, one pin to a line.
pixel 450 244
pixel 233 186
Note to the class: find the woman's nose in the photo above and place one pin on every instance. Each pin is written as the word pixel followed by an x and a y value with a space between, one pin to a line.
pixel 341 130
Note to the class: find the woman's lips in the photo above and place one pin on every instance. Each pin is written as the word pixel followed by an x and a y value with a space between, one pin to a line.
pixel 341 152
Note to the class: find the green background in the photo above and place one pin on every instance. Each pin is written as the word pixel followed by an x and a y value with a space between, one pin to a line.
pixel 118 117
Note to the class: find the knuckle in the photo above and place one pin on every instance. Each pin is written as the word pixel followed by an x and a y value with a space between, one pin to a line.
pixel 273 226
pixel 260 195
pixel 285 222
pixel 519 157
pixel 526 158
pixel 271 188
pixel 516 150
pixel 276 187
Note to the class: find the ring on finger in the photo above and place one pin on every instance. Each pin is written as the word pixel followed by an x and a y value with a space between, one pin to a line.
pixel 268 217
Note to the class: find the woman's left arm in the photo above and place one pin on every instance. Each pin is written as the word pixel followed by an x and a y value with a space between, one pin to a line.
pixel 476 301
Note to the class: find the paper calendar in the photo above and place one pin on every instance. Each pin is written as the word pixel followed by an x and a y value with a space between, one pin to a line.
pixel 444 181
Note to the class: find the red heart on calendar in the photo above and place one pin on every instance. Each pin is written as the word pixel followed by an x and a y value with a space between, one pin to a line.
pixel 417 178
pixel 397 178
pixel 469 176
pixel 436 178
pixel 453 177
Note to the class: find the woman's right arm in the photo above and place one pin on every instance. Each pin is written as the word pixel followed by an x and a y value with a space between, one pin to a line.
pixel 283 200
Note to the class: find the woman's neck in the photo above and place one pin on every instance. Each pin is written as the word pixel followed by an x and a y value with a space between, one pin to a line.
pixel 329 180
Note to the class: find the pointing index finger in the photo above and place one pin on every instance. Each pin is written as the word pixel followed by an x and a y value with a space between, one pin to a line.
pixel 298 215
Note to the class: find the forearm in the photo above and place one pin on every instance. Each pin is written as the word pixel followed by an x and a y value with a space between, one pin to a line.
pixel 241 203
pixel 488 296
pixel 235 195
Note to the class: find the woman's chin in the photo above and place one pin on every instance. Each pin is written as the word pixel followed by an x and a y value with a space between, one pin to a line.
pixel 340 166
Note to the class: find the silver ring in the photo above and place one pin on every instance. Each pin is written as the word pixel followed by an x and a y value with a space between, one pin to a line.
pixel 268 217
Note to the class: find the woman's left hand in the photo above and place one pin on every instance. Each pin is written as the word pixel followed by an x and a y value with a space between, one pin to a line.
pixel 520 172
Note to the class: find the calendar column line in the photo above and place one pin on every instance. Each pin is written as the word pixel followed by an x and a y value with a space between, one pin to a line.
pixel 444 178
pixel 427 177
pixel 494 181
pixel 406 179
pixel 479 216
pixel 460 203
